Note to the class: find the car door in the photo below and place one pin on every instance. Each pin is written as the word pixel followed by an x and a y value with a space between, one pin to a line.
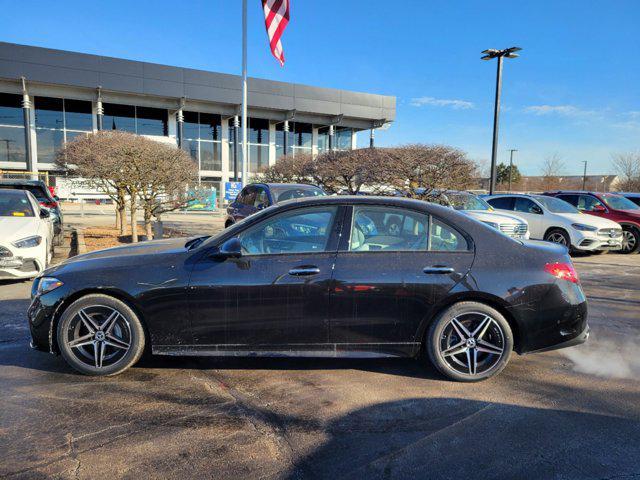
pixel 526 208
pixel 393 266
pixel 276 295
pixel 591 205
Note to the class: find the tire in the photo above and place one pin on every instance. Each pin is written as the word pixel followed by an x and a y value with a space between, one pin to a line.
pixel 630 240
pixel 559 236
pixel 118 347
pixel 444 334
pixel 228 224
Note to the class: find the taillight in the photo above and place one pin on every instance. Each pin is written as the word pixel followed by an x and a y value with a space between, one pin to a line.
pixel 49 204
pixel 563 271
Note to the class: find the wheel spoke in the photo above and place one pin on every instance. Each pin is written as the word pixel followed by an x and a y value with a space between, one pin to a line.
pixel 482 328
pixel 472 360
pixel 109 323
pixel 455 349
pixel 81 341
pixel 484 346
pixel 460 329
pixel 87 321
pixel 116 342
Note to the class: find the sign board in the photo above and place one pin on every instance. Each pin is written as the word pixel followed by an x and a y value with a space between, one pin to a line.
pixel 231 190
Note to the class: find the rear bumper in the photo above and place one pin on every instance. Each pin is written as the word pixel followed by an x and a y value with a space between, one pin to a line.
pixel 581 338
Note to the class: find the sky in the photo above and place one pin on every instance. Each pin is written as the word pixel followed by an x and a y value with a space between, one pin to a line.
pixel 574 92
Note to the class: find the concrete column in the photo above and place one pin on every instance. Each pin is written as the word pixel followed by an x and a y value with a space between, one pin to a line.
pixel 99 111
pixel 180 126
pixel 372 138
pixel 272 143
pixel 331 139
pixel 26 112
pixel 354 140
pixel 285 142
pixel 314 141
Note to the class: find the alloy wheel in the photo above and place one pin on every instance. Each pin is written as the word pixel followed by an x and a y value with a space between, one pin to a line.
pixel 472 343
pixel 99 336
pixel 557 237
pixel 629 241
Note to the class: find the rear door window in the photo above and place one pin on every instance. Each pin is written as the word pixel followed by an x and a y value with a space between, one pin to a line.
pixel 388 228
pixel 572 199
pixel 501 203
pixel 444 238
pixel 525 205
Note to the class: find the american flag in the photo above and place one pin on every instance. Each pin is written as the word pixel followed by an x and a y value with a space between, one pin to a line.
pixel 276 18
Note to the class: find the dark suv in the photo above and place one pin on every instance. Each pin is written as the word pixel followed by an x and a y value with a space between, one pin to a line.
pixel 611 206
pixel 42 193
pixel 256 196
pixel 634 197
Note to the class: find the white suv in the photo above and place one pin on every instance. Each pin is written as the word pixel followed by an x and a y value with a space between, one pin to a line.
pixel 557 221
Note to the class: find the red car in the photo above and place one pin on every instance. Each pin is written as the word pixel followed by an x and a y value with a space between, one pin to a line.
pixel 610 206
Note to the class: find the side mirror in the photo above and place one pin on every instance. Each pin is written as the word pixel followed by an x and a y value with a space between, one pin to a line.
pixel 537 210
pixel 44 213
pixel 232 248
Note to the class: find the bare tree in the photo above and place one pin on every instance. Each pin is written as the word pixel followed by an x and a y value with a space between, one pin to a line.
pixel 552 169
pixel 627 165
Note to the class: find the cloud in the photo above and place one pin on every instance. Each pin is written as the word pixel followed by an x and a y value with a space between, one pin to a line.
pixel 562 110
pixel 633 114
pixel 456 104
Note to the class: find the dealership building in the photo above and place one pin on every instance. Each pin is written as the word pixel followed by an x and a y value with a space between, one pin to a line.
pixel 49 97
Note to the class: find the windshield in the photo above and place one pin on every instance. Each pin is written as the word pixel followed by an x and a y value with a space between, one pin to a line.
pixel 288 192
pixel 619 202
pixel 555 205
pixel 35 190
pixel 15 205
pixel 466 201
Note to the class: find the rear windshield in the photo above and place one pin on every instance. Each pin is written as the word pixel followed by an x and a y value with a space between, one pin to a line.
pixel 619 202
pixel 285 192
pixel 555 205
pixel 15 205
pixel 37 192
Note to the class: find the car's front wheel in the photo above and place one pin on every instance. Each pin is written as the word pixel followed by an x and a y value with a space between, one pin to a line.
pixel 630 240
pixel 100 335
pixel 469 341
pixel 558 236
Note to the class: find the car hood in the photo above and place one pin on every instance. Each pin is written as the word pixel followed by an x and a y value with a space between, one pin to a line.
pixel 590 220
pixel 137 249
pixel 15 228
pixel 494 217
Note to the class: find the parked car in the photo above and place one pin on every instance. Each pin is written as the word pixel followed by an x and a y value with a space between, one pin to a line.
pixel 612 207
pixel 474 206
pixel 634 197
pixel 555 220
pixel 44 196
pixel 26 235
pixel 257 196
pixel 303 278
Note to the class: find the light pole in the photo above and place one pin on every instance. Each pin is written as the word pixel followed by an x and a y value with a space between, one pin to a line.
pixel 584 176
pixel 511 165
pixel 488 55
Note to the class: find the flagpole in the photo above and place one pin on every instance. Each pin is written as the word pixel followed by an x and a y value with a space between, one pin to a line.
pixel 244 93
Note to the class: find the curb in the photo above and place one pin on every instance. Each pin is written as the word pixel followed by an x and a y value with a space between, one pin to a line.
pixel 77 240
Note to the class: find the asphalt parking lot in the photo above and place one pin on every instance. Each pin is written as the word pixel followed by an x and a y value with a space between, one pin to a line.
pixel 563 414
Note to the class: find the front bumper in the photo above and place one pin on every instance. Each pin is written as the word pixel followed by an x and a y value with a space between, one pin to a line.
pixel 592 241
pixel 20 262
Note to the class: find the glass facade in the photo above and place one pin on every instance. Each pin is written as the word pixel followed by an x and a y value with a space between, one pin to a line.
pixel 323 139
pixel 343 138
pixel 58 121
pixel 140 120
pixel 258 134
pixel 299 138
pixel 202 139
pixel 11 128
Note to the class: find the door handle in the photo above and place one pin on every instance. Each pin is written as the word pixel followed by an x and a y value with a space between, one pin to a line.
pixel 303 271
pixel 438 269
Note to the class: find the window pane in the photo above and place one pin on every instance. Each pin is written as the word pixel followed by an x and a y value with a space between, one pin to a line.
pixel 280 139
pixel 389 229
pixel 119 117
pixel 49 141
pixel 502 203
pixel 191 147
pixel 151 121
pixel 343 138
pixel 445 238
pixel 12 144
pixel 524 205
pixel 210 126
pixel 77 115
pixel 303 137
pixel 210 156
pixel 190 127
pixel 71 136
pixel 11 109
pixel 291 232
pixel 258 157
pixel 258 130
pixel 49 112
pixel 323 139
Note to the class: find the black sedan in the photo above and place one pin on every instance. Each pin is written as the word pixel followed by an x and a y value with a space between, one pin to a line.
pixel 325 277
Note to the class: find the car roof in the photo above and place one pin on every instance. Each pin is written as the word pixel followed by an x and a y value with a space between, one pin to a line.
pixel 367 200
pixel 285 185
pixel 14 192
pixel 628 194
pixel 31 183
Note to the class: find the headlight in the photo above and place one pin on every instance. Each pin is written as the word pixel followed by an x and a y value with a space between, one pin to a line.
pixel 492 224
pixel 28 242
pixel 584 228
pixel 47 284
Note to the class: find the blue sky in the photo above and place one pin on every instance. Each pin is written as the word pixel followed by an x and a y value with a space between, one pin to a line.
pixel 574 92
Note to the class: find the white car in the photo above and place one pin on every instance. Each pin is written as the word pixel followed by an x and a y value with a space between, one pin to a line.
pixel 26 235
pixel 557 221
pixel 473 206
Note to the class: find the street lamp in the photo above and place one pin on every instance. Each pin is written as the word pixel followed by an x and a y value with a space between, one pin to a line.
pixel 488 55
pixel 584 176
pixel 511 166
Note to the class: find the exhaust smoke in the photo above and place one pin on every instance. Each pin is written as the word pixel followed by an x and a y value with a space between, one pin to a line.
pixel 606 357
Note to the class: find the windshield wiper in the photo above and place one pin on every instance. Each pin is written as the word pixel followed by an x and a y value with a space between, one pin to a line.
pixel 194 242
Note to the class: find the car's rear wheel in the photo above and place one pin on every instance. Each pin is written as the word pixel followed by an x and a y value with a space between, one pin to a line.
pixel 469 341
pixel 100 335
pixel 630 240
pixel 558 236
